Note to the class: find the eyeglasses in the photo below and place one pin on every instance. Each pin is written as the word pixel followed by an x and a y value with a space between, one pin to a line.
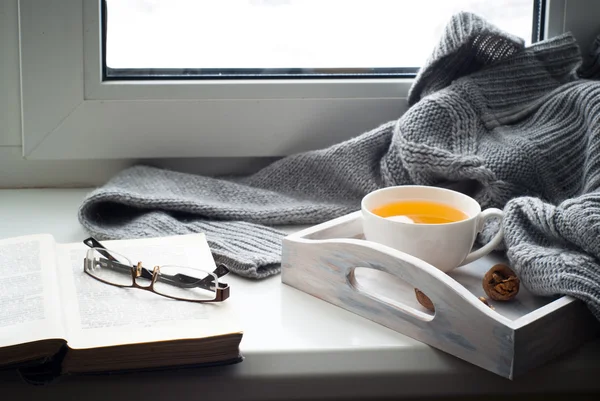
pixel 176 282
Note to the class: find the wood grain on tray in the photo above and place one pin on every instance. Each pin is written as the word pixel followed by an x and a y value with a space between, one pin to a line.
pixel 331 261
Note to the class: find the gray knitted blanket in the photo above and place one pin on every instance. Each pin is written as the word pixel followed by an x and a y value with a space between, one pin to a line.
pixel 515 127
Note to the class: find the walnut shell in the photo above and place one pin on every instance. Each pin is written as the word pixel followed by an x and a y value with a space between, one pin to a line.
pixel 424 300
pixel 500 283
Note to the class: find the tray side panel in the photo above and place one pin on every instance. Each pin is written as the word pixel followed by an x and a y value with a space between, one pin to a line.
pixel 461 325
pixel 553 334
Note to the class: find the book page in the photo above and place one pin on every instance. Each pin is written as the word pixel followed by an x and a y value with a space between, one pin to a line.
pixel 29 300
pixel 104 315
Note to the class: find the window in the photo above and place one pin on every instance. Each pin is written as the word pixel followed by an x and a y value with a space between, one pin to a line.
pixel 228 39
pixel 72 108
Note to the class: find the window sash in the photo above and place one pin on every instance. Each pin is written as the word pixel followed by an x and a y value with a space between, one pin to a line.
pixel 70 112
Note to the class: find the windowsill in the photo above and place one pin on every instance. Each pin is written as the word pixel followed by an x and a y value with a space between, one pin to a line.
pixel 294 344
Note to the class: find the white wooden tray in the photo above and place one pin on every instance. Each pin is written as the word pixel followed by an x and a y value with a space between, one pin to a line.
pixel 333 262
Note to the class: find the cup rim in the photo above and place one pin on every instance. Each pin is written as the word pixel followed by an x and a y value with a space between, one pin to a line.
pixel 428 187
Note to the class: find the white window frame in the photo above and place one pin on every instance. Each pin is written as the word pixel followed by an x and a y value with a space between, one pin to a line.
pixel 68 112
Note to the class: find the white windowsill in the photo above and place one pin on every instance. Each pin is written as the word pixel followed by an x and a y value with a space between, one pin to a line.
pixel 294 344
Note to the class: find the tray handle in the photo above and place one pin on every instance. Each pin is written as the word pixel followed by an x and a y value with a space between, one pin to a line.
pixel 340 256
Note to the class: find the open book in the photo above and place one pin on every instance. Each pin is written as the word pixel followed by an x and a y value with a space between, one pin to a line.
pixel 51 311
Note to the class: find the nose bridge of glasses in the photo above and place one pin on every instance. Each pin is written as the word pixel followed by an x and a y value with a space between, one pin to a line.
pixel 143 277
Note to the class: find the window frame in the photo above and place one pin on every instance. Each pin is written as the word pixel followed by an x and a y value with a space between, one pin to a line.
pixel 70 112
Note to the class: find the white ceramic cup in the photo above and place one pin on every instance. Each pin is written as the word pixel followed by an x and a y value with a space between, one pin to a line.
pixel 445 246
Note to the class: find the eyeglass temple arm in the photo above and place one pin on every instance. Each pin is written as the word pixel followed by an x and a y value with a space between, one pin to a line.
pixel 180 280
pixel 93 243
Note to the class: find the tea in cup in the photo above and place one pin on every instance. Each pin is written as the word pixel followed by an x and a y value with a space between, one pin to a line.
pixel 434 224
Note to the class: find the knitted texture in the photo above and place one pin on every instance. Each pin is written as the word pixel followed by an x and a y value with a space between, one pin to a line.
pixel 555 249
pixel 468 43
pixel 590 68
pixel 304 189
pixel 514 127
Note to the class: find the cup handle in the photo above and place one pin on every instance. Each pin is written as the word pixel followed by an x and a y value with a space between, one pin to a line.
pixel 494 242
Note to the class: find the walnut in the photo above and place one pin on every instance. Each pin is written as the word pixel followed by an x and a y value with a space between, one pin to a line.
pixel 500 283
pixel 424 300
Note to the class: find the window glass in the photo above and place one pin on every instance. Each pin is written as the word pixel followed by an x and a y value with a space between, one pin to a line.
pixel 283 38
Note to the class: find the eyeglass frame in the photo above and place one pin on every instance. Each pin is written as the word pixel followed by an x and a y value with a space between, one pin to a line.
pixel 221 290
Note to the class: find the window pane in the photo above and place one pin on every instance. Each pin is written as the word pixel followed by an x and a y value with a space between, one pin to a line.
pixel 232 37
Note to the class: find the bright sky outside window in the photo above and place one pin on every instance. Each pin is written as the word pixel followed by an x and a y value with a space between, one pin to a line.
pixel 283 38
